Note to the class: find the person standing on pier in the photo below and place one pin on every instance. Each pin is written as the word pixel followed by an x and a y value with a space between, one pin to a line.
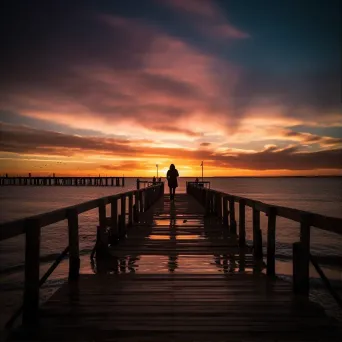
pixel 171 176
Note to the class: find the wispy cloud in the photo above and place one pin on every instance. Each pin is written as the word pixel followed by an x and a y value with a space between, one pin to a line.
pixel 27 141
pixel 159 84
pixel 208 18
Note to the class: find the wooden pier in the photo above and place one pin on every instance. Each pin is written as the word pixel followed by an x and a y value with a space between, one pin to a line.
pixel 175 271
pixel 62 181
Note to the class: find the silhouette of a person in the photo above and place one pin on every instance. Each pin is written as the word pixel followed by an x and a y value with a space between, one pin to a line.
pixel 154 180
pixel 171 176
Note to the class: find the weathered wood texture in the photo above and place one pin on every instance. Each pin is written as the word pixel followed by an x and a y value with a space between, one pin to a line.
pixel 181 307
pixel 152 289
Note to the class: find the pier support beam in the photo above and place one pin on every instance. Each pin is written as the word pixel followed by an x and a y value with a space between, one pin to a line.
pixel 74 254
pixel 31 289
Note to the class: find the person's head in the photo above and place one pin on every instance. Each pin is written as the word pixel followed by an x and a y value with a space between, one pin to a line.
pixel 172 167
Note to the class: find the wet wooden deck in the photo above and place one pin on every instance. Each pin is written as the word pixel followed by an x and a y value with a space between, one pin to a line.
pixel 179 276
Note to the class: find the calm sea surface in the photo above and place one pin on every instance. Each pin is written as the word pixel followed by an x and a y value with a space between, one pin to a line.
pixel 318 195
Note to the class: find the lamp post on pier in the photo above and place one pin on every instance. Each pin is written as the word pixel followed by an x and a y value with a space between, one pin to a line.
pixel 157 170
pixel 202 170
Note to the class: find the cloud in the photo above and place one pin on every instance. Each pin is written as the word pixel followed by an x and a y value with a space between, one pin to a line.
pixel 124 166
pixel 173 129
pixel 19 139
pixel 130 75
pixel 311 96
pixel 28 141
pixel 309 138
pixel 205 144
pixel 208 18
pixel 286 159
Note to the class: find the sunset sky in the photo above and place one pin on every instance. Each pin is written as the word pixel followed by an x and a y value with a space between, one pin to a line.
pixel 115 87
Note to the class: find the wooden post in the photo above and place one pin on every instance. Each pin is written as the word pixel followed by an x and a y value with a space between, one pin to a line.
pixel 242 223
pixel 271 230
pixel 257 237
pixel 225 211
pixel 31 286
pixel 130 209
pixel 119 226
pixel 102 213
pixel 232 223
pixel 113 220
pixel 300 281
pixel 74 255
pixel 141 202
pixel 207 202
pixel 150 197
pixel 301 260
pixel 147 198
pixel 136 207
pixel 123 216
pixel 218 205
pixel 211 203
pixel 102 244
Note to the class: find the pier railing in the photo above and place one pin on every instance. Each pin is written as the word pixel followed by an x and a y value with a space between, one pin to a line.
pixel 223 205
pixel 62 181
pixel 115 227
pixel 204 184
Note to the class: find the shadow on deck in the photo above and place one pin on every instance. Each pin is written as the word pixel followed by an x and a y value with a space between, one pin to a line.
pixel 180 276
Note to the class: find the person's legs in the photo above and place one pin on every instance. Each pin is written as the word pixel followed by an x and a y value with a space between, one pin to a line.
pixel 170 193
pixel 173 193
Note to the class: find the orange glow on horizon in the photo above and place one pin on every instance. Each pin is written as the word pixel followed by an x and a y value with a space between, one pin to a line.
pixel 193 169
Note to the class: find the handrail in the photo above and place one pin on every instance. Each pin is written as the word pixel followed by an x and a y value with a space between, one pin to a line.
pixel 199 183
pixel 61 181
pixel 147 182
pixel 31 227
pixel 216 202
pixel 328 223
pixel 17 227
pixel 43 279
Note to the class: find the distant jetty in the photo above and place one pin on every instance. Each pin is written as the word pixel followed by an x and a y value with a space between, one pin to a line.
pixel 61 181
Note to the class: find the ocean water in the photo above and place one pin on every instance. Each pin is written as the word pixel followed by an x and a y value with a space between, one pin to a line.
pixel 318 195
